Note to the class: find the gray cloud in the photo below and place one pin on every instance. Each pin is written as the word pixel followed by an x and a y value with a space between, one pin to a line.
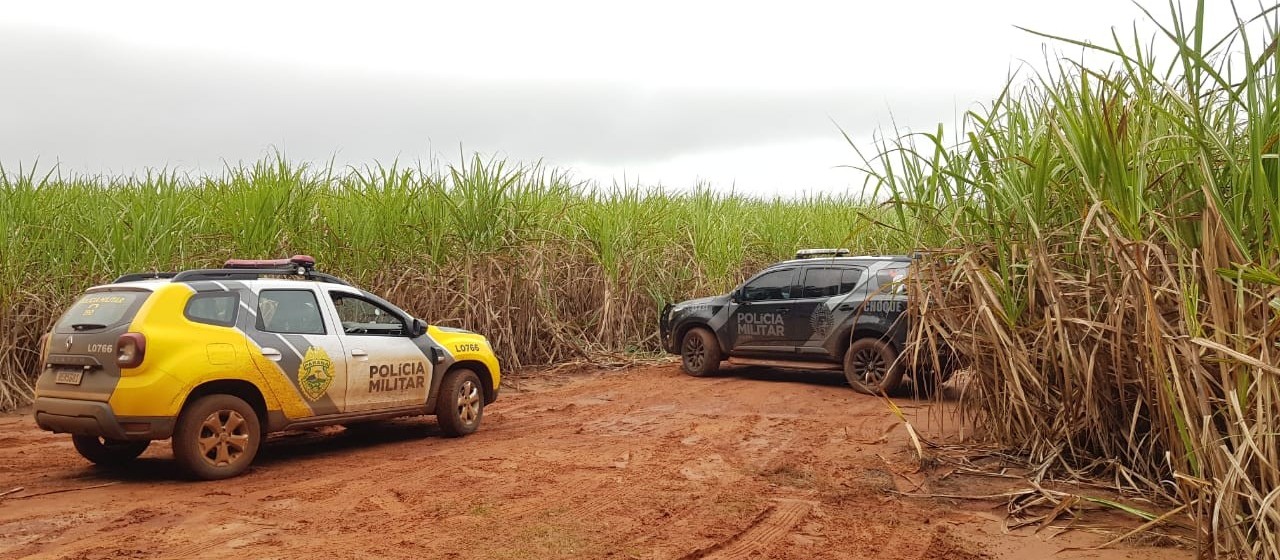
pixel 103 106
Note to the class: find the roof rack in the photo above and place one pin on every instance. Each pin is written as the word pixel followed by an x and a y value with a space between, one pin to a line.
pixel 136 276
pixel 241 269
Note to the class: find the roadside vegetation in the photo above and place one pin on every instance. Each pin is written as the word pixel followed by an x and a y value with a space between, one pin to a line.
pixel 1108 259
pixel 549 269
pixel 1102 248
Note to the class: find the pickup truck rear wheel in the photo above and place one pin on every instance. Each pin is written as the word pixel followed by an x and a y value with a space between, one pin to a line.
pixel 108 452
pixel 699 352
pixel 871 366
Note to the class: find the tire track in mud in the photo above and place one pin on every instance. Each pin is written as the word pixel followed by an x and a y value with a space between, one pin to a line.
pixel 393 510
pixel 617 453
pixel 89 537
pixel 352 493
pixel 765 444
pixel 266 516
pixel 774 523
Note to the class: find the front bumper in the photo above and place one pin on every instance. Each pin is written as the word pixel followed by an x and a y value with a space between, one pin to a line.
pixel 94 418
pixel 664 330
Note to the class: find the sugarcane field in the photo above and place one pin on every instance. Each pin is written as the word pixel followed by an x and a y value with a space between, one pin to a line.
pixel 676 281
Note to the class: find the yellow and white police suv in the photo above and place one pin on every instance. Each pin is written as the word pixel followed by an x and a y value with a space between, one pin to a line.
pixel 218 358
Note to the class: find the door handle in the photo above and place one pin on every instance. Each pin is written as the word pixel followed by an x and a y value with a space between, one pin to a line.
pixel 784 310
pixel 847 306
pixel 271 353
pixel 358 353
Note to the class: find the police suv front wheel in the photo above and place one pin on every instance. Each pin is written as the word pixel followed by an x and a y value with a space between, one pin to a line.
pixel 217 437
pixel 461 403
pixel 871 366
pixel 699 352
pixel 108 452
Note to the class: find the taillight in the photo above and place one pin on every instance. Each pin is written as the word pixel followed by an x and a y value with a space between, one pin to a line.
pixel 130 348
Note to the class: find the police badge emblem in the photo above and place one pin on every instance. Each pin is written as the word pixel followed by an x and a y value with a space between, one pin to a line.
pixel 315 375
pixel 821 320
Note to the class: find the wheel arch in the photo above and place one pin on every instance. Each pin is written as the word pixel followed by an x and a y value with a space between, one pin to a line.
pixel 482 371
pixel 239 388
pixel 684 328
pixel 860 333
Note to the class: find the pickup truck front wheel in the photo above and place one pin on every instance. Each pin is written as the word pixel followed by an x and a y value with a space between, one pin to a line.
pixel 699 352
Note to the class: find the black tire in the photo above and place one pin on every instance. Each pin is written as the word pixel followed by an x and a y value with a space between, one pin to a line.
pixel 924 381
pixel 217 437
pixel 871 366
pixel 460 406
pixel 108 452
pixel 699 352
pixel 926 378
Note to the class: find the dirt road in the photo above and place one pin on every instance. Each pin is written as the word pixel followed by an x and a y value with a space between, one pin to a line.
pixel 639 463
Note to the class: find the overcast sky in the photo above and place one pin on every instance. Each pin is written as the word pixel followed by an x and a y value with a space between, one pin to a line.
pixel 743 95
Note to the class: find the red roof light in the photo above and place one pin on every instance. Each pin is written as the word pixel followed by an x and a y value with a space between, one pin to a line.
pixel 296 260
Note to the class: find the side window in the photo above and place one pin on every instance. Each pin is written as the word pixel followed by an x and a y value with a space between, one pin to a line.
pixel 770 285
pixel 892 280
pixel 821 282
pixel 849 278
pixel 214 308
pixel 360 316
pixel 289 312
pixel 829 281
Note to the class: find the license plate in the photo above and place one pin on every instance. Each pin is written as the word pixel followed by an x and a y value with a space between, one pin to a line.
pixel 68 377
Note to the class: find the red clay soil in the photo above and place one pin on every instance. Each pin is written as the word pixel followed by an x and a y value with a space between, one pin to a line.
pixel 639 463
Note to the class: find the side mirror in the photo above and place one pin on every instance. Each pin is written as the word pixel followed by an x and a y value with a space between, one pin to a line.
pixel 736 297
pixel 418 328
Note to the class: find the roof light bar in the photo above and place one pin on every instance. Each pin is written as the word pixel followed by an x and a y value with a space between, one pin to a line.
pixel 304 261
pixel 816 253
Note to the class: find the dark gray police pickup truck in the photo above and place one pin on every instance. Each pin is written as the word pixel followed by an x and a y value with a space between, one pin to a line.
pixel 822 310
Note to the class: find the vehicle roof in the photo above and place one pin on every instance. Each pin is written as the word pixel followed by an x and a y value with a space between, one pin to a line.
pixel 149 284
pixel 860 259
pixel 260 283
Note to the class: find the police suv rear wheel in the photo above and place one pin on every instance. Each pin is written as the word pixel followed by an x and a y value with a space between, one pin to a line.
pixel 461 403
pixel 217 437
pixel 108 452
pixel 699 352
pixel 871 366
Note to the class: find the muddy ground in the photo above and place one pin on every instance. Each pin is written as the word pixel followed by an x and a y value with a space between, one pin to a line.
pixel 638 463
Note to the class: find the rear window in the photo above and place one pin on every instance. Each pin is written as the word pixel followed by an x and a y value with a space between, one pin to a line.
pixel 100 310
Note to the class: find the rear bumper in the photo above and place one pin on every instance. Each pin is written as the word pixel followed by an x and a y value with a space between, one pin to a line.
pixel 93 418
